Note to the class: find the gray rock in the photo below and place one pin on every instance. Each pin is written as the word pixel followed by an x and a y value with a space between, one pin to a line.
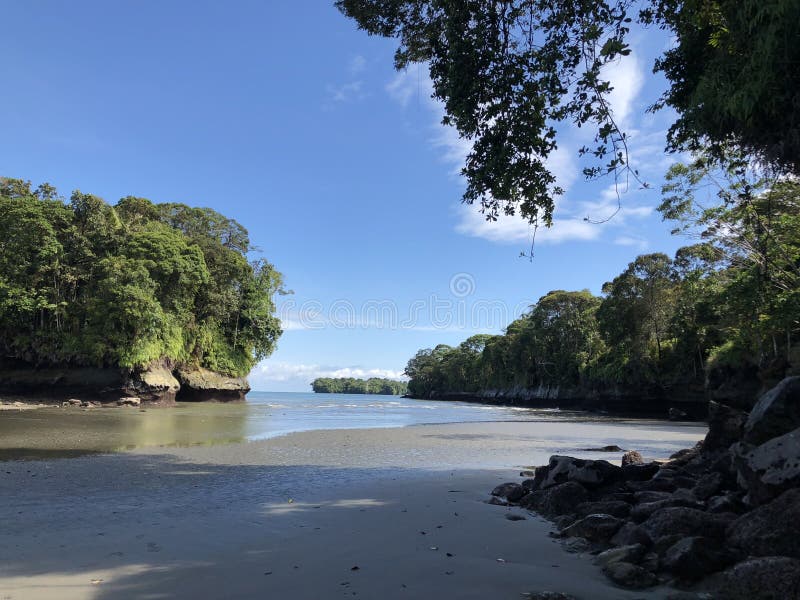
pixel 776 413
pixel 632 457
pixel 725 503
pixel 642 497
pixel 693 558
pixel 632 472
pixel 496 501
pixel 725 426
pixel 679 520
pixel 771 529
pixel 664 543
pixel 629 575
pixel 577 545
pixel 630 554
pixel 630 534
pixel 611 448
pixel 767 470
pixel 642 511
pixel 589 473
pixel 768 578
pixel 595 528
pixel 559 500
pixel 676 414
pixel 707 486
pixel 510 491
pixel 616 508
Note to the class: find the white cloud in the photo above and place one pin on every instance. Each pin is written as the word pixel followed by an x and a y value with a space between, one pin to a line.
pixel 346 92
pixel 635 242
pixel 411 82
pixel 267 373
pixel 627 78
pixel 357 65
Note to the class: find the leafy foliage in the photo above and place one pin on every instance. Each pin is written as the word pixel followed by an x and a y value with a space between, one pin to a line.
pixel 84 283
pixel 349 385
pixel 509 72
pixel 730 302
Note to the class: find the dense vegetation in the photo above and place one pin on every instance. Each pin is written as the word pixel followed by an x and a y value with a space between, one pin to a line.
pixel 509 73
pixel 724 309
pixel 84 283
pixel 348 385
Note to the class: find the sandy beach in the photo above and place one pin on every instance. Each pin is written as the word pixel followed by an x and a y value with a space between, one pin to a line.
pixel 370 513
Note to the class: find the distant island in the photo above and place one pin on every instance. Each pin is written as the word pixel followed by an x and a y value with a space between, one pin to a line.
pixel 155 302
pixel 349 385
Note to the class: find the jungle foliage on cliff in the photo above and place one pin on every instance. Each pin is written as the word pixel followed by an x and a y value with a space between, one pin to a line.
pixel 349 385
pixel 725 309
pixel 84 283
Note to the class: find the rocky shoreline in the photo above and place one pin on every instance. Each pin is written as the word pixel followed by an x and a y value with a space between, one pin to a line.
pixel 720 520
pixel 160 383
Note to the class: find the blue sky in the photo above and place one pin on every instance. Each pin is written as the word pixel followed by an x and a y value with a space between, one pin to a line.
pixel 294 123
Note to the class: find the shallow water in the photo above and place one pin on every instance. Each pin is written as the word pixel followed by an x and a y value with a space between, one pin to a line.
pixel 50 433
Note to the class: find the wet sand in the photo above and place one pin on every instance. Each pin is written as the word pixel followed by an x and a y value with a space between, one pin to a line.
pixel 293 516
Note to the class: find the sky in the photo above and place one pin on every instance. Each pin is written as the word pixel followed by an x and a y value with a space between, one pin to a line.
pixel 285 117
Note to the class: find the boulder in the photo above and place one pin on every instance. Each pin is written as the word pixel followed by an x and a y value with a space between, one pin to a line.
pixel 767 470
pixel 647 496
pixel 707 486
pixel 615 508
pixel 776 413
pixel 199 384
pixel 510 491
pixel 676 414
pixel 630 534
pixel 611 448
pixel 629 575
pixel 771 529
pixel 767 578
pixel 725 426
pixel 641 512
pixel 725 503
pixel 696 557
pixel 595 528
pixel 558 500
pixel 680 520
pixel 632 553
pixel 589 473
pixel 632 457
pixel 635 472
pixel 547 596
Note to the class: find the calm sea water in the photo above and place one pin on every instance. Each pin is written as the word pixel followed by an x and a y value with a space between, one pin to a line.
pixel 59 432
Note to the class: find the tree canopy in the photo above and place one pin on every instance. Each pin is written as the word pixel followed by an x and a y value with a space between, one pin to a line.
pixel 508 72
pixel 724 308
pixel 84 283
pixel 349 385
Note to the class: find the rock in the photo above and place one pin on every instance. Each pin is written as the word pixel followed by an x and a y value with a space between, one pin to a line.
pixel 589 473
pixel 510 491
pixel 129 401
pixel 657 484
pixel 577 545
pixel 693 558
pixel 630 534
pixel 725 426
pixel 725 503
pixel 769 469
pixel 558 500
pixel 641 512
pixel 629 575
pixel 648 496
pixel 771 529
pixel 634 472
pixel 74 402
pixel 613 448
pixel 685 521
pixel 676 414
pixel 768 578
pixel 776 413
pixel 198 384
pixel 632 457
pixel 595 528
pixel 707 486
pixel 496 501
pixel 615 508
pixel 631 554
pixel 664 543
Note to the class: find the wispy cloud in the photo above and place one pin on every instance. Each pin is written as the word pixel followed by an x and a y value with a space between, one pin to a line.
pixel 352 90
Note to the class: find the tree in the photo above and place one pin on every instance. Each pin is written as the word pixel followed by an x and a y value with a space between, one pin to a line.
pixel 508 72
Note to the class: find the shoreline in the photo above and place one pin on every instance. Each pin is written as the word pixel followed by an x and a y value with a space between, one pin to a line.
pixel 213 521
